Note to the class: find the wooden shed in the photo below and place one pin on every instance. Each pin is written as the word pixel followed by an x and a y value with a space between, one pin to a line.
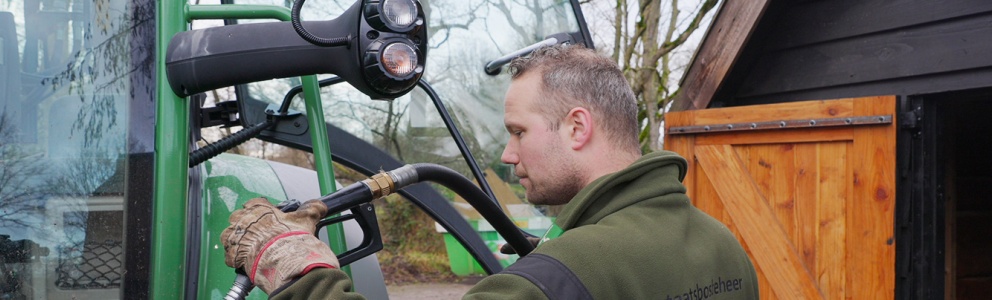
pixel 845 143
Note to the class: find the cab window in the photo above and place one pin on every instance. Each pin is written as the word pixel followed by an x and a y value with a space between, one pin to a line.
pixel 69 72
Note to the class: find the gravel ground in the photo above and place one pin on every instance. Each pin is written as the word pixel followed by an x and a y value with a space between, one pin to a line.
pixel 431 291
pixel 428 291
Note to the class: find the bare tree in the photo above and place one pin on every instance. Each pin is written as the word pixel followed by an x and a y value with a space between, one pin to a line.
pixel 18 168
pixel 645 51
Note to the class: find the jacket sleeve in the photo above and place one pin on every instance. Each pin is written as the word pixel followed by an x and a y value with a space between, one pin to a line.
pixel 323 283
pixel 504 286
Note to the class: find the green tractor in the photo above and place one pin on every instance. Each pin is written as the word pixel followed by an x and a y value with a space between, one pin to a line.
pixel 108 191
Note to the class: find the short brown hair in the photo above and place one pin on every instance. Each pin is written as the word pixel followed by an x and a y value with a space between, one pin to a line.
pixel 574 76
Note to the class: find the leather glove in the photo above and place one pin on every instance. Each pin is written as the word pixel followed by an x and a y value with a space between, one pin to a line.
pixel 274 247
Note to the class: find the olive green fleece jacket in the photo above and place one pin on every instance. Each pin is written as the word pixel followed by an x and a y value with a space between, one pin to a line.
pixel 628 235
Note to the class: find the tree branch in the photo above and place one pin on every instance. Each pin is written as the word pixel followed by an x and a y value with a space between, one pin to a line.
pixel 668 46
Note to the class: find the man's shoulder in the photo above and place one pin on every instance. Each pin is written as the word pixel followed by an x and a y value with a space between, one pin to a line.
pixel 590 242
pixel 659 239
pixel 605 258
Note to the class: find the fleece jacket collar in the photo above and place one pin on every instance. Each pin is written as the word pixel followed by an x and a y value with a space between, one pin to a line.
pixel 585 208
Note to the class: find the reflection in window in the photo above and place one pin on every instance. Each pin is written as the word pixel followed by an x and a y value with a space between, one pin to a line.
pixel 66 73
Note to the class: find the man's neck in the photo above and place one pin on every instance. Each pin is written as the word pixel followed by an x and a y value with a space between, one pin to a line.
pixel 607 162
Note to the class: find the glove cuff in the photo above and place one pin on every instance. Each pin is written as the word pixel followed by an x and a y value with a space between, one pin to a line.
pixel 288 256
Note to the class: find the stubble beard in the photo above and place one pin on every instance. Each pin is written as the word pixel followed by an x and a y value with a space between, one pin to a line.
pixel 561 187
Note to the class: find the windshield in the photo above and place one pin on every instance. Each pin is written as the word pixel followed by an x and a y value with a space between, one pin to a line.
pixel 463 37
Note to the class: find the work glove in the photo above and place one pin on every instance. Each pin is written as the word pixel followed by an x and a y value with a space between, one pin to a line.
pixel 507 249
pixel 274 247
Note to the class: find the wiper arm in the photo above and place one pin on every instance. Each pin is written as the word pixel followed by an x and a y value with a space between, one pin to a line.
pixel 495 66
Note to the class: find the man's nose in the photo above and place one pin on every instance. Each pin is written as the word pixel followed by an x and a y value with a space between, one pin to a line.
pixel 509 155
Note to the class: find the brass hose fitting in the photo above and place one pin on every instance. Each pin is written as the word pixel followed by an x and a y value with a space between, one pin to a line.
pixel 380 184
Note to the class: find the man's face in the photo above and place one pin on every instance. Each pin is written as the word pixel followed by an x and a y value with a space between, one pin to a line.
pixel 540 155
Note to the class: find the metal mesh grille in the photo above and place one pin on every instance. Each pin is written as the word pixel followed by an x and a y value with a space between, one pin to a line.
pixel 99 266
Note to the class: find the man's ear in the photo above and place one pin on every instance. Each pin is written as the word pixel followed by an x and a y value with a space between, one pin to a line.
pixel 579 125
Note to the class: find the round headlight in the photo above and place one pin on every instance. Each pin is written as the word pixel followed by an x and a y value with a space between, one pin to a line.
pixel 399 13
pixel 399 59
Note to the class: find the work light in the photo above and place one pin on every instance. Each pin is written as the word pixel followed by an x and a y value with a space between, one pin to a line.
pixel 399 13
pixel 399 59
pixel 392 15
pixel 395 44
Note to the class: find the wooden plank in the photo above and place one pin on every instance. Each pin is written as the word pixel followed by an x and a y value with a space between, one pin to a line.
pixel 816 109
pixel 871 244
pixel 807 177
pixel 955 45
pixel 682 145
pixel 679 118
pixel 730 31
pixel 810 22
pixel 777 136
pixel 771 167
pixel 756 222
pixel 707 200
pixel 781 163
pixel 764 286
pixel 831 263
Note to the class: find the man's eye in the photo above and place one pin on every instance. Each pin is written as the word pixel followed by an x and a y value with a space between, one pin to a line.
pixel 518 133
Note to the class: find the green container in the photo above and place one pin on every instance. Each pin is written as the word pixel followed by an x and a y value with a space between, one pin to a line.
pixel 463 264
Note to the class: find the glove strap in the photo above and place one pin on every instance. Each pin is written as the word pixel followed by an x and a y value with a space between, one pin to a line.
pixel 254 266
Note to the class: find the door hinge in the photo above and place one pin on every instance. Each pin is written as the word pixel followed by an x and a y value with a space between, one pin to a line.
pixel 910 120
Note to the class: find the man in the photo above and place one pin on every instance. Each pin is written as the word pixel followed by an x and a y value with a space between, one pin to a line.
pixel 627 229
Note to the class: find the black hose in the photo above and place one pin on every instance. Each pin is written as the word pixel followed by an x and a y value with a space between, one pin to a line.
pixel 200 155
pixel 445 116
pixel 468 190
pixel 306 35
pixel 459 141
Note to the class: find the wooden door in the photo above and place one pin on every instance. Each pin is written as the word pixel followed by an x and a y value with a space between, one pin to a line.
pixel 807 187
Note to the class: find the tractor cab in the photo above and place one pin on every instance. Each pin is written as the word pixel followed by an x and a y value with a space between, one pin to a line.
pixel 108 191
